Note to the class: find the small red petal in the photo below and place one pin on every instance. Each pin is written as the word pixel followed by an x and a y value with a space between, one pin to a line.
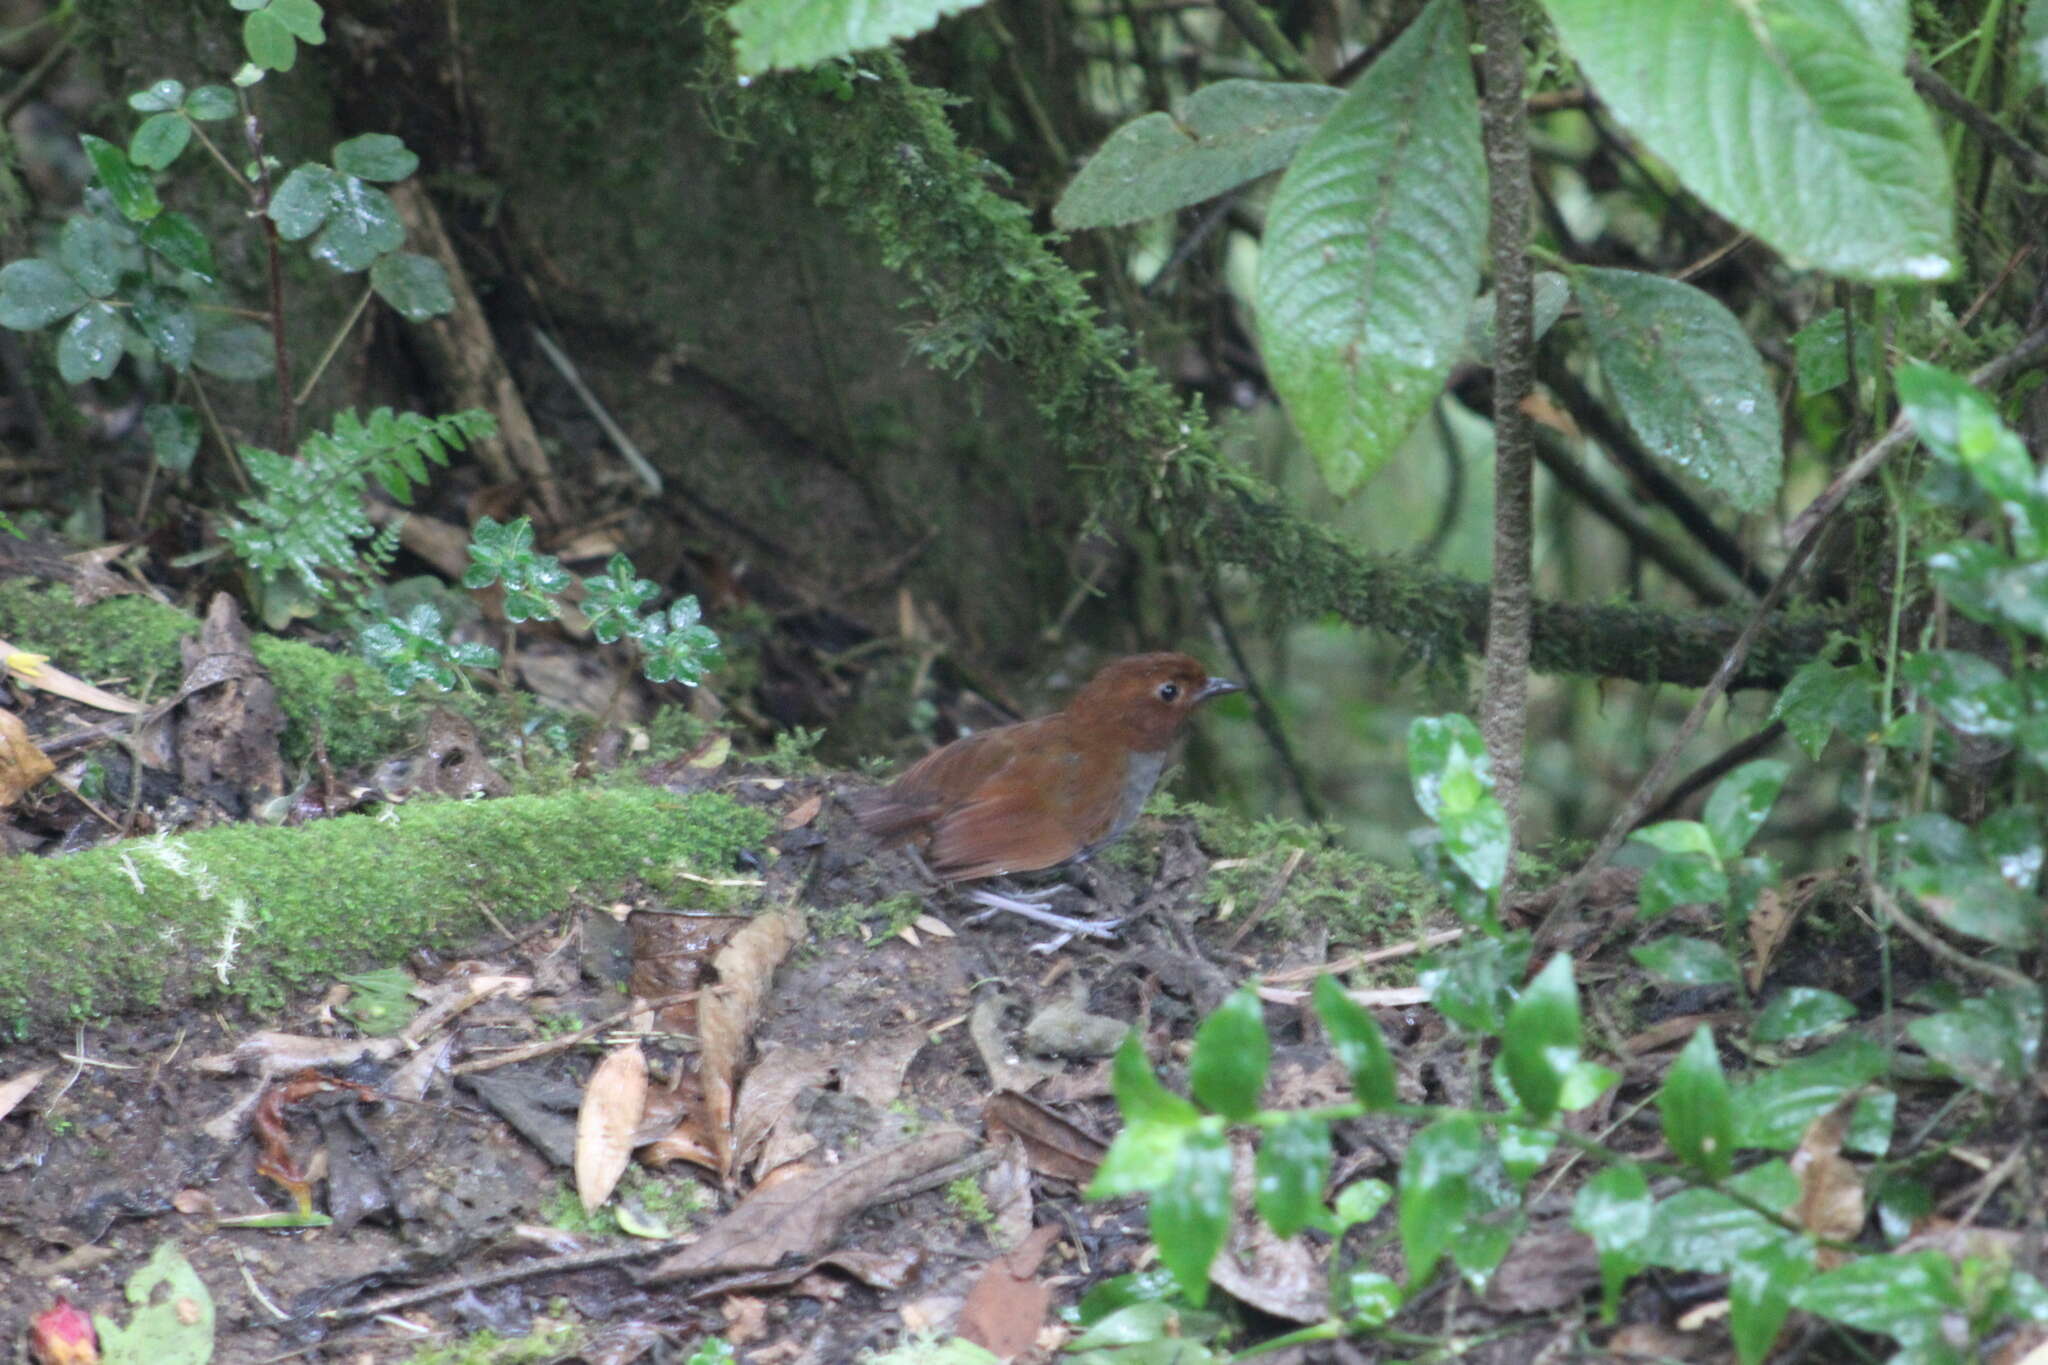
pixel 62 1335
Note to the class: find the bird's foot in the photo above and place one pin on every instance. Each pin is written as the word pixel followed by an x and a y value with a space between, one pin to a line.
pixel 1030 906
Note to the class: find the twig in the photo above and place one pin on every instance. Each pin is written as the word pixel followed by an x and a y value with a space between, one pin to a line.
pixel 1365 959
pixel 1615 513
pixel 548 1047
pixel 621 442
pixel 1274 891
pixel 1249 17
pixel 1713 769
pixel 1263 711
pixel 1965 111
pixel 33 81
pixel 334 346
pixel 1504 130
pixel 511 1274
pixel 252 132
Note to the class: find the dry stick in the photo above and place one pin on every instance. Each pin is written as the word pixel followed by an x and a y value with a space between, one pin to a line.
pixel 1804 535
pixel 1504 128
pixel 252 132
pixel 1959 107
pixel 1250 19
pixel 550 1046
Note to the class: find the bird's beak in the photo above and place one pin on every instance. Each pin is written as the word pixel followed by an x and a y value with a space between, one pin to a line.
pixel 1216 687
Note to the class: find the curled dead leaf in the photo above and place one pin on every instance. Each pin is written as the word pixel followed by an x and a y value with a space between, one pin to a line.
pixel 745 968
pixel 22 764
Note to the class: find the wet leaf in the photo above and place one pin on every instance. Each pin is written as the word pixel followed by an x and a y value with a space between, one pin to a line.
pixel 1740 804
pixel 375 156
pixel 613 1101
pixel 1760 1288
pixel 1355 1037
pixel 779 37
pixel 1800 1012
pixel 1774 1107
pixel 1191 1212
pixel 1541 1045
pixel 91 344
pixel 1227 1068
pixel 417 286
pixel 1990 1041
pixel 1681 879
pixel 1699 1121
pixel 1436 1190
pixel 36 293
pixel 1905 1296
pixel 1614 1208
pixel 1292 1169
pixel 1706 1230
pixel 363 225
pixel 1156 1123
pixel 128 183
pixel 1688 961
pixel 158 140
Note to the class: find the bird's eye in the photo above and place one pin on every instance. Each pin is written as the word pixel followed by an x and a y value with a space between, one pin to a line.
pixel 1169 691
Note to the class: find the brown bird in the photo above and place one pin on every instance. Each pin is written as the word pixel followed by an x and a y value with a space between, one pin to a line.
pixel 1048 791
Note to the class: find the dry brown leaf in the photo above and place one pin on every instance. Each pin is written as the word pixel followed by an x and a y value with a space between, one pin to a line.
pixel 22 764
pixel 1007 1185
pixel 1675 1030
pixel 1770 924
pixel 2029 1347
pixel 267 1054
pixel 1831 1204
pixel 1007 1305
pixel 803 1215
pixel 1052 1145
pixel 16 1089
pixel 876 1069
pixel 746 1318
pixel 1539 407
pixel 725 1019
pixel 613 1101
pixel 763 1115
pixel 34 670
pixel 1276 1275
pixel 1544 1270
pixel 803 812
pixel 1649 1341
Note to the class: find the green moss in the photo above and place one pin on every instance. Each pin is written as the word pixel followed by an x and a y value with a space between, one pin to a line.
pixel 249 912
pixel 548 1341
pixel 130 644
pixel 968 1200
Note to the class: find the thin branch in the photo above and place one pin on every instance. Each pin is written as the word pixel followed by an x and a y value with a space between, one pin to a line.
pixel 1249 17
pixel 1263 710
pixel 1617 514
pixel 1978 120
pixel 1713 770
pixel 252 130
pixel 1504 130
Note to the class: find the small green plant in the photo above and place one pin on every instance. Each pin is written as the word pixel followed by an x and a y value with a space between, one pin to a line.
pixel 1466 1171
pixel 970 1202
pixel 791 756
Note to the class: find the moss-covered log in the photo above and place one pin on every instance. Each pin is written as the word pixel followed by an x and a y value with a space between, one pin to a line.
pixel 248 912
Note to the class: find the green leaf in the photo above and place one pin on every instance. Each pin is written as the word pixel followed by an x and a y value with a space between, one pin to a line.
pixel 1699 1122
pixel 211 103
pixel 1477 841
pixel 1370 1298
pixel 301 19
pixel 1227 1068
pixel 1541 1045
pixel 776 35
pixel 1191 1212
pixel 1676 836
pixel 1360 1202
pixel 1356 1039
pixel 415 285
pixel 1436 1189
pixel 1223 135
pixel 1523 1150
pixel 1821 698
pixel 1886 25
pixel 303 202
pixel 90 345
pixel 268 42
pixel 1614 1208
pixel 375 156
pixel 173 435
pixel 163 95
pixel 1784 120
pixel 1372 252
pixel 1800 1012
pixel 2033 63
pixel 1760 1294
pixel 159 139
pixel 1820 352
pixel 1970 693
pixel 1440 749
pixel 1991 1041
pixel 1681 879
pixel 167 320
pixel 1706 1230
pixel 1687 380
pixel 1293 1167
pixel 1741 802
pixel 1688 961
pixel 362 226
pixel 178 240
pixel 92 249
pixel 133 195
pixel 1156 1123
pixel 1903 1295
pixel 35 293
pixel 237 350
pixel 171 1327
pixel 1774 1107
pixel 1470 984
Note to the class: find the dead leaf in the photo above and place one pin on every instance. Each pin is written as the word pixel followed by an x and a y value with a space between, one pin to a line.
pixel 231 720
pixel 672 955
pixel 746 1319
pixel 1007 1185
pixel 1649 1341
pixel 34 671
pixel 1052 1145
pixel 1831 1204
pixel 2029 1347
pixel 22 764
pixel 612 1103
pixel 1279 1276
pixel 888 1271
pixel 1770 924
pixel 762 1122
pixel 803 1215
pixel 266 1053
pixel 725 1020
pixel 876 1069
pixel 1677 1029
pixel 16 1089
pixel 803 812
pixel 1544 1270
pixel 1538 407
pixel 1007 1305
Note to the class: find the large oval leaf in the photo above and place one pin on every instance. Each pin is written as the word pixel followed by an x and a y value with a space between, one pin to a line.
pixel 1688 380
pixel 1782 115
pixel 1372 252
pixel 775 35
pixel 1223 135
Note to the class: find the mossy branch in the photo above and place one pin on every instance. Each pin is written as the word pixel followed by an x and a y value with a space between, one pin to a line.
pixel 887 158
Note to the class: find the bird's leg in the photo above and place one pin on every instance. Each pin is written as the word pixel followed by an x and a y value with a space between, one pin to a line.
pixel 1030 905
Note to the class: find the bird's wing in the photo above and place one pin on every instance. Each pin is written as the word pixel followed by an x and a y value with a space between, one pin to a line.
pixel 1012 829
pixel 917 798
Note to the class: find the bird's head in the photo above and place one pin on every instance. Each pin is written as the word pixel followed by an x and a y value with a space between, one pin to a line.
pixel 1143 700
